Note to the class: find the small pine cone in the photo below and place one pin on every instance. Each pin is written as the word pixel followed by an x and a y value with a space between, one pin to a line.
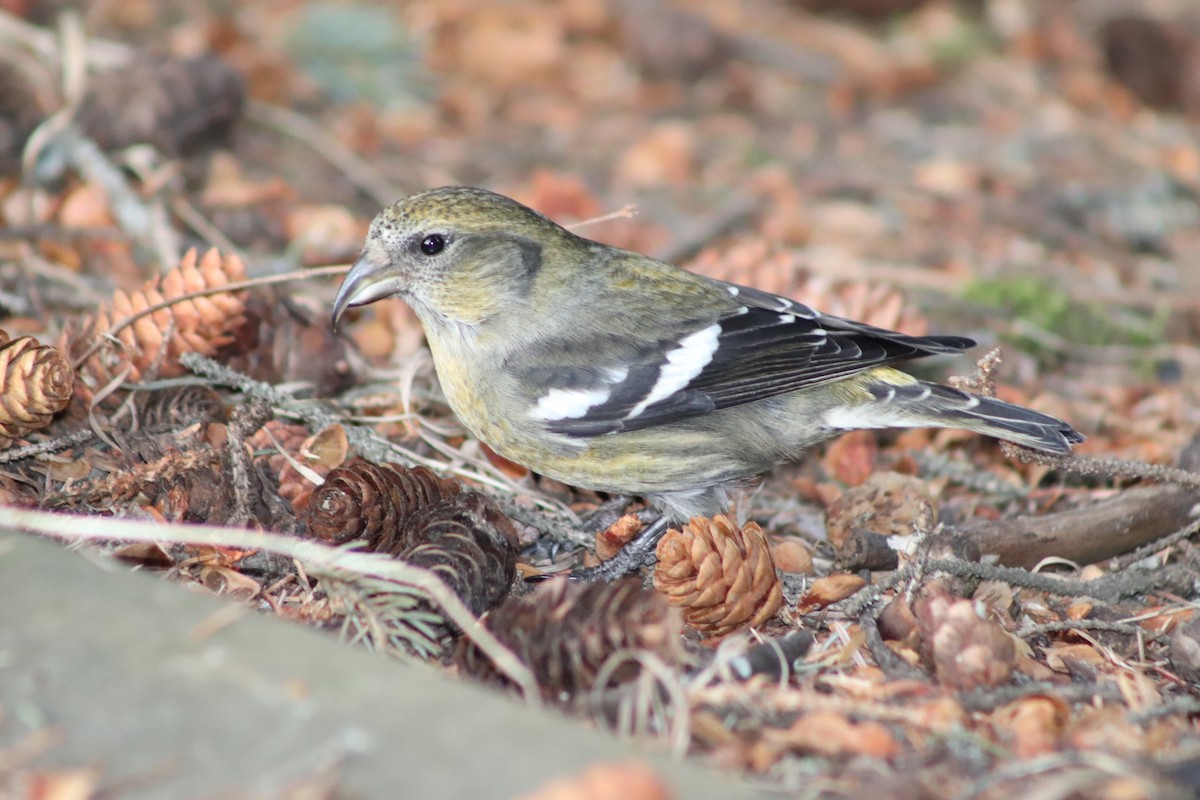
pixel 200 325
pixel 721 575
pixel 965 650
pixel 467 542
pixel 565 632
pixel 179 407
pixel 36 382
pixel 374 502
pixel 179 105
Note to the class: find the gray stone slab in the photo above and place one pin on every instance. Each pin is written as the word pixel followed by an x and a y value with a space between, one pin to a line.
pixel 112 660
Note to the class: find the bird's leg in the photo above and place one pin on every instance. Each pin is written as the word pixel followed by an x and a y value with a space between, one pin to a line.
pixel 607 513
pixel 629 558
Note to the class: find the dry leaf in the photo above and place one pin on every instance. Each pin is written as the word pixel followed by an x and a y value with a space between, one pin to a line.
pixel 326 449
pixel 86 206
pixel 1033 724
pixel 148 554
pixel 610 541
pixel 1064 657
pixel 829 734
pixel 510 468
pixel 827 591
pixel 532 44
pixel 229 582
pixel 563 197
pixel 613 781
pixel 67 784
pixel 792 556
pixel 324 234
pixel 897 621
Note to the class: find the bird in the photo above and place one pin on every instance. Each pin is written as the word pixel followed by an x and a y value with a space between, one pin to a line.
pixel 613 371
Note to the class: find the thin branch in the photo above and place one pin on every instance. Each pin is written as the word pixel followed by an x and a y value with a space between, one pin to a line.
pixel 1107 587
pixel 627 211
pixel 1088 533
pixel 51 446
pixel 1089 625
pixel 1103 467
pixel 989 699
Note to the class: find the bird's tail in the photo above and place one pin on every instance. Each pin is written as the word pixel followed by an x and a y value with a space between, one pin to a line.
pixel 930 405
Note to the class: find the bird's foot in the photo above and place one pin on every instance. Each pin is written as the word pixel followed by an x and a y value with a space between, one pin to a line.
pixel 631 557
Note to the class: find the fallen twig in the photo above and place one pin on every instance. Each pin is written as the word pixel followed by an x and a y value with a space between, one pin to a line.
pixel 1089 534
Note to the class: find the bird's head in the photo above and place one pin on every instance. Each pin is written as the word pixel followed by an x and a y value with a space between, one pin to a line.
pixel 457 255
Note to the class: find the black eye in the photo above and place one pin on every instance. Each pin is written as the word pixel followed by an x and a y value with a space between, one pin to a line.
pixel 433 244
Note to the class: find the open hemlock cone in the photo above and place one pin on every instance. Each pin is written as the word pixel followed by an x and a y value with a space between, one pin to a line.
pixel 152 345
pixel 721 575
pixel 179 105
pixel 374 502
pixel 422 519
pixel 467 542
pixel 36 382
pixel 565 632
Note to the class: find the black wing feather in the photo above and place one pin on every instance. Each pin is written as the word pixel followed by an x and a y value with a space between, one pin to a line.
pixel 773 347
